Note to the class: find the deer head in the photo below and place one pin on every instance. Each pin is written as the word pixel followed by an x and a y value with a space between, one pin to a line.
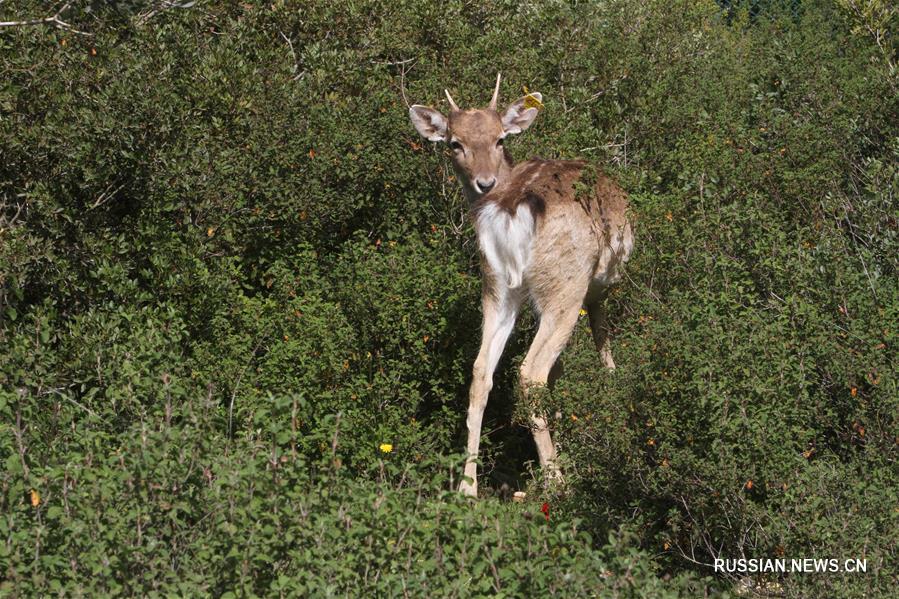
pixel 476 138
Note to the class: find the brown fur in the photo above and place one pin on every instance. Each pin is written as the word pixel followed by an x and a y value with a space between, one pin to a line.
pixel 548 187
pixel 535 182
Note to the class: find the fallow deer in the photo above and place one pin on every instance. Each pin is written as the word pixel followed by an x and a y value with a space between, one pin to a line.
pixel 539 240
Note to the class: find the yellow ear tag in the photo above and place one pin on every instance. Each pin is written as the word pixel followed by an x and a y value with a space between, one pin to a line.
pixel 530 100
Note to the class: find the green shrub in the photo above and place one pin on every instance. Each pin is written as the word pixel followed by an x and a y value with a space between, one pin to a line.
pixel 220 238
pixel 160 509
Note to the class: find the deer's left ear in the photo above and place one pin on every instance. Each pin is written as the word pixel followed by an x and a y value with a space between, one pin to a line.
pixel 520 114
pixel 429 122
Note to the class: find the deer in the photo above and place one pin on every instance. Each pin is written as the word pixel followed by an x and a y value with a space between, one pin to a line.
pixel 541 238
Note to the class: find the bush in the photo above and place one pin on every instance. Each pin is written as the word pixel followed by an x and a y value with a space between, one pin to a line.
pixel 221 238
pixel 158 508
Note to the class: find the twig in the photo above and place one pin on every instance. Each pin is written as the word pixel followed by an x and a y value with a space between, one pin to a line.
pixel 19 443
pixel 393 63
pixel 59 392
pixel 9 222
pixel 607 146
pixel 237 385
pixel 334 438
pixel 403 71
pixel 54 20
pixel 158 8
pixel 106 196
pixel 875 33
pixel 296 64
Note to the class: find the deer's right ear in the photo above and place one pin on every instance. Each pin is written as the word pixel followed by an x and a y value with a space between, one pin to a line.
pixel 429 122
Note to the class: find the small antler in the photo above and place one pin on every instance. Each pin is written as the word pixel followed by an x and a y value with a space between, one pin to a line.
pixel 492 105
pixel 450 98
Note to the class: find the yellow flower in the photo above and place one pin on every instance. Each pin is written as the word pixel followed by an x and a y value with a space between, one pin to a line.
pixel 583 312
pixel 386 447
pixel 35 498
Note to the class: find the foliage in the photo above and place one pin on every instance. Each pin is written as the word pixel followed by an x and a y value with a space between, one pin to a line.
pixel 230 271
pixel 160 508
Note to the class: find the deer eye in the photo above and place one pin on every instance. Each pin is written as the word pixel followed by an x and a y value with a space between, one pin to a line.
pixel 456 146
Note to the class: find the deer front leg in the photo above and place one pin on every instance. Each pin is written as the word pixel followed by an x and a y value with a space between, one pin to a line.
pixel 500 310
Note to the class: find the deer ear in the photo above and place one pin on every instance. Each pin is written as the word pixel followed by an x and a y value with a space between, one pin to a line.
pixel 521 113
pixel 429 122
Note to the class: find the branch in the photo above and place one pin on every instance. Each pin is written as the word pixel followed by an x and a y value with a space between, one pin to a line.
pixel 237 384
pixel 54 20
pixel 5 221
pixel 296 64
pixel 159 7
pixel 18 432
pixel 106 196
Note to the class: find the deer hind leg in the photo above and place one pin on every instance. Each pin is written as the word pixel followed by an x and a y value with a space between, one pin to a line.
pixel 499 319
pixel 556 325
pixel 599 326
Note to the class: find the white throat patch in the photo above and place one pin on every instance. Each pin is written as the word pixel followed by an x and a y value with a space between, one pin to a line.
pixel 507 241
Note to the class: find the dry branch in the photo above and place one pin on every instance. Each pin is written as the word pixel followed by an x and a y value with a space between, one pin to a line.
pixel 55 19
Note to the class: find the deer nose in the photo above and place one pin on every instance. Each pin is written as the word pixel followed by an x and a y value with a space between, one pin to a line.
pixel 486 185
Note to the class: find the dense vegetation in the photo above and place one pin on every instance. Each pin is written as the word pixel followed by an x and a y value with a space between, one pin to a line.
pixel 239 300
